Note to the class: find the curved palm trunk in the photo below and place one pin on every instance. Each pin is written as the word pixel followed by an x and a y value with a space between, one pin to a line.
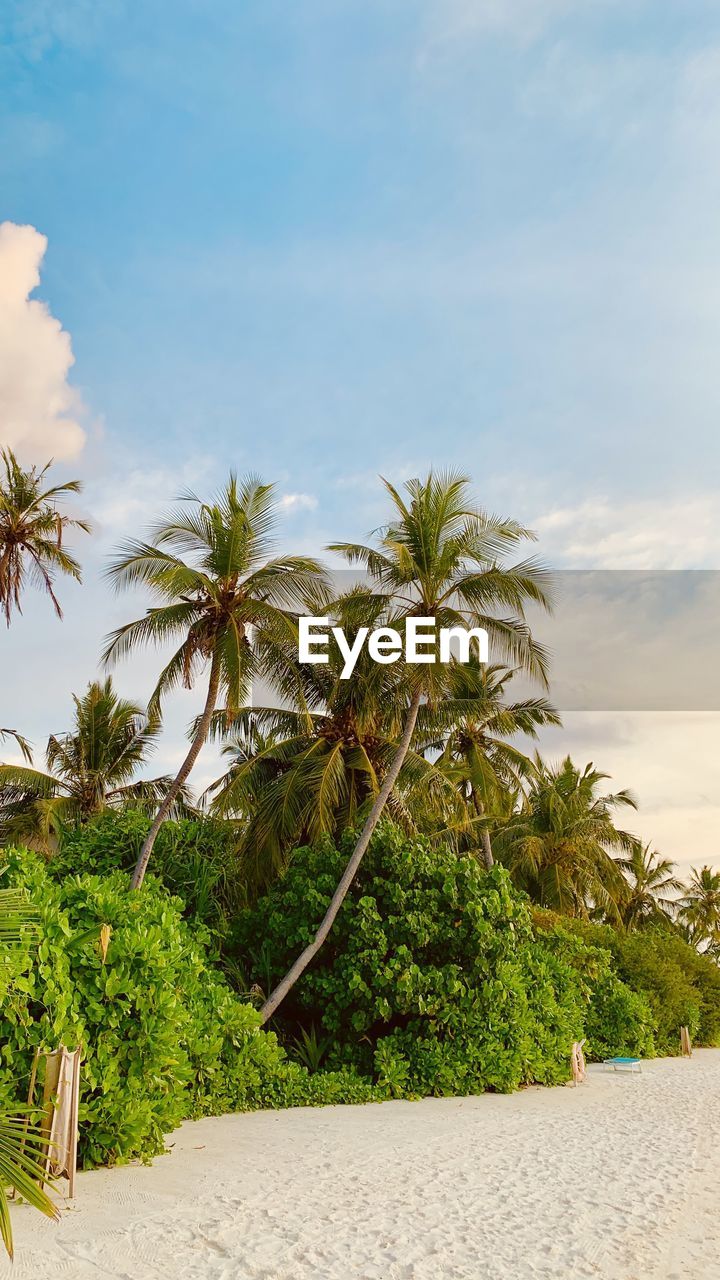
pixel 197 744
pixel 298 968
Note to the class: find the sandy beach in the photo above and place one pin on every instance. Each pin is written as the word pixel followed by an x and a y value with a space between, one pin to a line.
pixel 614 1179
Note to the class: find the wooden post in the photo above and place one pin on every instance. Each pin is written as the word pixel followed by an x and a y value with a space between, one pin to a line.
pixel 578 1062
pixel 685 1042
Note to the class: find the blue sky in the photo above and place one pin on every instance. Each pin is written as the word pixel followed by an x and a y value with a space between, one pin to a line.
pixel 323 240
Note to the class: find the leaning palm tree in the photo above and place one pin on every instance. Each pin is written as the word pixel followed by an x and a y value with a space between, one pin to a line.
pixel 438 558
pixel 91 769
pixel 473 729
pixel 232 609
pixel 561 846
pixel 32 530
pixel 653 888
pixel 294 776
pixel 700 907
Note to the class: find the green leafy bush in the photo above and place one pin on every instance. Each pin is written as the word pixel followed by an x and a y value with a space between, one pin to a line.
pixel 431 980
pixel 196 859
pixel 681 987
pixel 617 1019
pixel 164 1037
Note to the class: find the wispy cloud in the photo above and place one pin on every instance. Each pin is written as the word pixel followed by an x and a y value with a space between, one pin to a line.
pixel 450 21
pixel 39 409
pixel 660 533
pixel 137 496
pixel 298 502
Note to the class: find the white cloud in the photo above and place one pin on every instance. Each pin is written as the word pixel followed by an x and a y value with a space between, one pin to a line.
pixel 452 21
pixel 38 407
pixel 298 502
pixel 676 533
pixel 138 496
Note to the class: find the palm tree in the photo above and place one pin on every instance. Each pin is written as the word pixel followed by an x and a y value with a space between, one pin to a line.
pixel 560 846
pixel 476 721
pixel 295 776
pixel 700 908
pixel 653 887
pixel 89 770
pixel 437 558
pixel 231 608
pixel 31 533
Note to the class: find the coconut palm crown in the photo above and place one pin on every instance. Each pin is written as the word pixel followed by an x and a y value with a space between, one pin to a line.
pixel 653 887
pixel 227 603
pixel 295 776
pixel 562 847
pixel 473 729
pixel 32 532
pixel 700 907
pixel 92 768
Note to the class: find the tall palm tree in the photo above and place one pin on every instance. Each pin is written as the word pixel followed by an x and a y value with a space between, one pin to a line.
pixel 700 908
pixel 560 847
pixel 297 775
pixel 653 888
pixel 90 769
pixel 439 557
pixel 476 724
pixel 231 607
pixel 32 530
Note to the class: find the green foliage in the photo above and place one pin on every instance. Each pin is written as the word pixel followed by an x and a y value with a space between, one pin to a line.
pixel 33 533
pixel 311 1049
pixel 431 979
pixel 163 1036
pixel 20 1165
pixel 562 844
pixel 618 1020
pixel 22 1168
pixel 196 859
pixel 89 770
pixel 681 986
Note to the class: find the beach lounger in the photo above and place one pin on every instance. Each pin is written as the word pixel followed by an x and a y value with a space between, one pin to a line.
pixel 624 1064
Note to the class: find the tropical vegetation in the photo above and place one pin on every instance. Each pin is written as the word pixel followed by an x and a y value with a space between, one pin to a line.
pixel 32 531
pixel 21 1166
pixel 90 769
pixel 387 872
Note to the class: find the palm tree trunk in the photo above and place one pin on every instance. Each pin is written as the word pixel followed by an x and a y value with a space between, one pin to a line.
pixel 298 968
pixel 197 744
pixel 479 808
pixel 485 840
pixel 487 849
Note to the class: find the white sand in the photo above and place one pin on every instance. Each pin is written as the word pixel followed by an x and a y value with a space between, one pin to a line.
pixel 614 1179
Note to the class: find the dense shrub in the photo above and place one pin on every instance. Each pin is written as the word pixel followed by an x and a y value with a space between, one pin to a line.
pixel 198 860
pixel 617 1019
pixel 432 978
pixel 164 1038
pixel 681 987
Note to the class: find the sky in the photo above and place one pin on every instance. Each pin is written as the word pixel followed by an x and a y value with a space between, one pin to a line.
pixel 324 241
